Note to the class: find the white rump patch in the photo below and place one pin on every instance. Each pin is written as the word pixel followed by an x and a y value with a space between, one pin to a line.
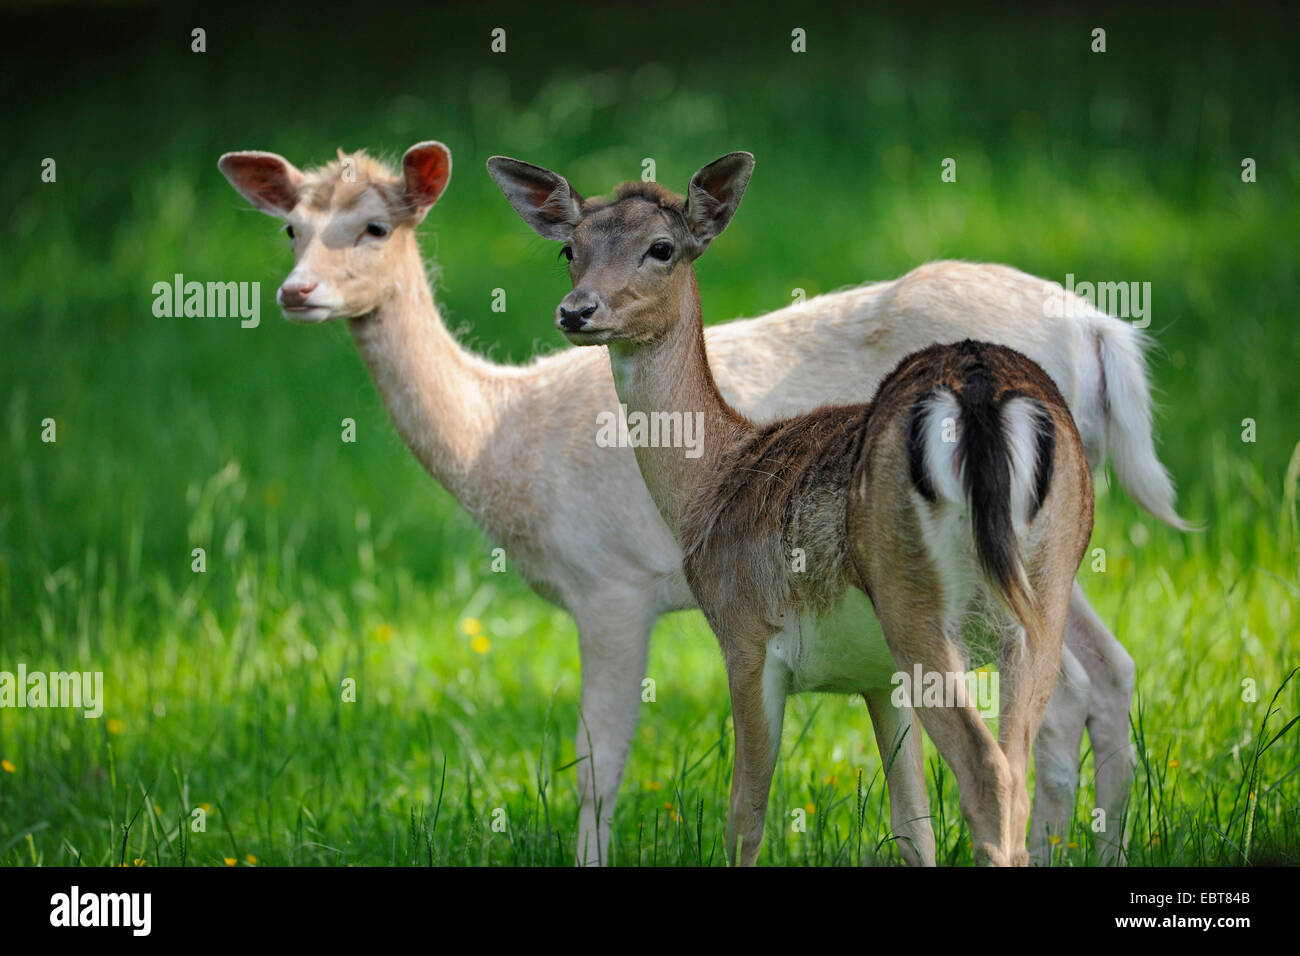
pixel 941 429
pixel 1022 421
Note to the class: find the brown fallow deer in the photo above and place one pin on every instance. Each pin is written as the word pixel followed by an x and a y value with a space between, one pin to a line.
pixel 962 490
pixel 580 526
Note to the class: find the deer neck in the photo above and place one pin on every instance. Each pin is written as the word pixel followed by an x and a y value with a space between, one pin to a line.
pixel 671 375
pixel 437 394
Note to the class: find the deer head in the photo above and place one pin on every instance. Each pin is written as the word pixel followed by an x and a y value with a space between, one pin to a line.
pixel 351 223
pixel 630 257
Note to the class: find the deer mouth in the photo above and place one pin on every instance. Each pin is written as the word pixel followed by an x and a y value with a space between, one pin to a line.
pixel 588 335
pixel 307 314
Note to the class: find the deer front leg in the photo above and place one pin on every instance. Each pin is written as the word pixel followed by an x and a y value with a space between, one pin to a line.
pixel 759 683
pixel 613 640
pixel 898 737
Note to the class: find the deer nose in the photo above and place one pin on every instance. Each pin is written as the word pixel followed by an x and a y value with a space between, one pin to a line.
pixel 295 294
pixel 574 320
pixel 576 309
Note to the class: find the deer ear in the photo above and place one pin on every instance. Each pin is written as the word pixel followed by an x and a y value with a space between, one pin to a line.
pixel 426 168
pixel 270 182
pixel 544 199
pixel 714 194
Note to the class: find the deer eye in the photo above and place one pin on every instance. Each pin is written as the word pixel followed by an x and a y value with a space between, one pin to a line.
pixel 377 229
pixel 288 230
pixel 566 252
pixel 663 251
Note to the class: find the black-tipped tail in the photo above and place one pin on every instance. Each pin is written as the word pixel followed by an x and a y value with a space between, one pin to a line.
pixel 980 469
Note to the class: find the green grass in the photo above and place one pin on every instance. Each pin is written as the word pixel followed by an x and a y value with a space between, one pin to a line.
pixel 329 561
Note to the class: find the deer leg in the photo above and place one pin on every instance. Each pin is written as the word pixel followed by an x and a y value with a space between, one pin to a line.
pixel 898 737
pixel 984 780
pixel 613 639
pixel 1111 675
pixel 1030 667
pixel 759 684
pixel 1056 755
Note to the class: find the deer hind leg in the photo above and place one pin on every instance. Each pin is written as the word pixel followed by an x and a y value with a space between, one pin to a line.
pixel 1096 691
pixel 1056 756
pixel 898 736
pixel 759 683
pixel 984 780
pixel 1030 667
pixel 1111 673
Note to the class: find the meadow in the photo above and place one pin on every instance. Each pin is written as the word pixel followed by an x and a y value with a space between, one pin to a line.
pixel 328 560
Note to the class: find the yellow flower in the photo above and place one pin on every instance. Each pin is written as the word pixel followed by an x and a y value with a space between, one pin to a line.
pixel 1174 763
pixel 115 726
pixel 140 862
pixel 205 807
pixel 472 626
pixel 810 807
pixel 480 645
pixel 252 860
pixel 383 634
pixel 8 766
pixel 831 779
pixel 230 860
pixel 1054 839
pixel 1073 846
pixel 653 785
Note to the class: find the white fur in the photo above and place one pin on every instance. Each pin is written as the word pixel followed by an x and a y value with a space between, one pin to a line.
pixel 843 652
pixel 1128 424
pixel 1022 419
pixel 776 687
pixel 941 431
pixel 946 534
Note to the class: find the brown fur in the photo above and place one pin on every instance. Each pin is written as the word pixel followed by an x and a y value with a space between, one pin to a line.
pixel 775 488
pixel 652 192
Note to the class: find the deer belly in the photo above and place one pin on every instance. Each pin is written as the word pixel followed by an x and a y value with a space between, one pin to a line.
pixel 843 651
